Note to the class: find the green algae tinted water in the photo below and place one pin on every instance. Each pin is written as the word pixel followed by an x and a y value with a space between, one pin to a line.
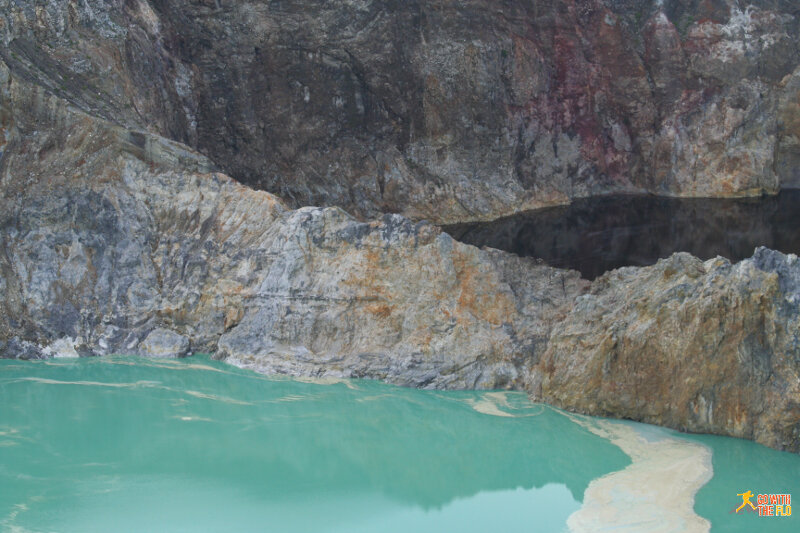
pixel 127 444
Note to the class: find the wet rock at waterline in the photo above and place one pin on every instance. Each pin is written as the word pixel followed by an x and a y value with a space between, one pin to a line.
pixel 164 344
pixel 110 234
pixel 446 111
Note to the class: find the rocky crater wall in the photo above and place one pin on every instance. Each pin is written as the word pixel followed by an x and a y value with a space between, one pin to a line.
pixel 115 240
pixel 438 110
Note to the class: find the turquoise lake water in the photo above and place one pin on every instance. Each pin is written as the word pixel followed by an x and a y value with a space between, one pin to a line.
pixel 127 444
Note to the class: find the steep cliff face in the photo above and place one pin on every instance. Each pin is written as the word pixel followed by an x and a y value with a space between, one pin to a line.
pixel 114 240
pixel 694 345
pixel 433 109
pixel 120 242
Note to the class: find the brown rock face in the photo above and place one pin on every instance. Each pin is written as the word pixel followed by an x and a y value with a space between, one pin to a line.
pixel 687 344
pixel 434 109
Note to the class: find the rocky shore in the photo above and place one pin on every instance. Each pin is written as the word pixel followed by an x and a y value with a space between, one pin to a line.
pixel 116 240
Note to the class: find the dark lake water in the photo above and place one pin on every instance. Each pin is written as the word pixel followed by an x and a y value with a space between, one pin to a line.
pixel 596 235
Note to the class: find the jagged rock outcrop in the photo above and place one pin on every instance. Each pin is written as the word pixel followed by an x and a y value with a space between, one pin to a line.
pixel 698 346
pixel 117 241
pixel 438 110
pixel 113 240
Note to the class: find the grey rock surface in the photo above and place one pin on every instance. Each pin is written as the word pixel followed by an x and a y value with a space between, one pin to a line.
pixel 109 234
pixel 164 344
pixel 438 110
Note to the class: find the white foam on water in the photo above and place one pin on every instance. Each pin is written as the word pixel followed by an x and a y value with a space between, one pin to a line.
pixel 374 397
pixel 655 493
pixel 193 419
pixel 488 407
pixel 136 385
pixel 18 529
pixel 292 398
pixel 8 522
pixel 133 385
pixel 13 436
pixel 497 404
pixel 173 364
pixel 204 396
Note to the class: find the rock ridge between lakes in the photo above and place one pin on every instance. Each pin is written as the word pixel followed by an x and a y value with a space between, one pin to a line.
pixel 119 241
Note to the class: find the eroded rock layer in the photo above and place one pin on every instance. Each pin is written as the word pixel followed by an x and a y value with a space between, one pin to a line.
pixel 115 240
pixel 438 110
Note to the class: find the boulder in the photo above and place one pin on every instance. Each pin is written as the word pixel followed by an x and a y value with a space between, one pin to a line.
pixel 164 344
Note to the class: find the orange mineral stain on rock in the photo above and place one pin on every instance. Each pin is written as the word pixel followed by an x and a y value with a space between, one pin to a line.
pixel 380 310
pixel 479 293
